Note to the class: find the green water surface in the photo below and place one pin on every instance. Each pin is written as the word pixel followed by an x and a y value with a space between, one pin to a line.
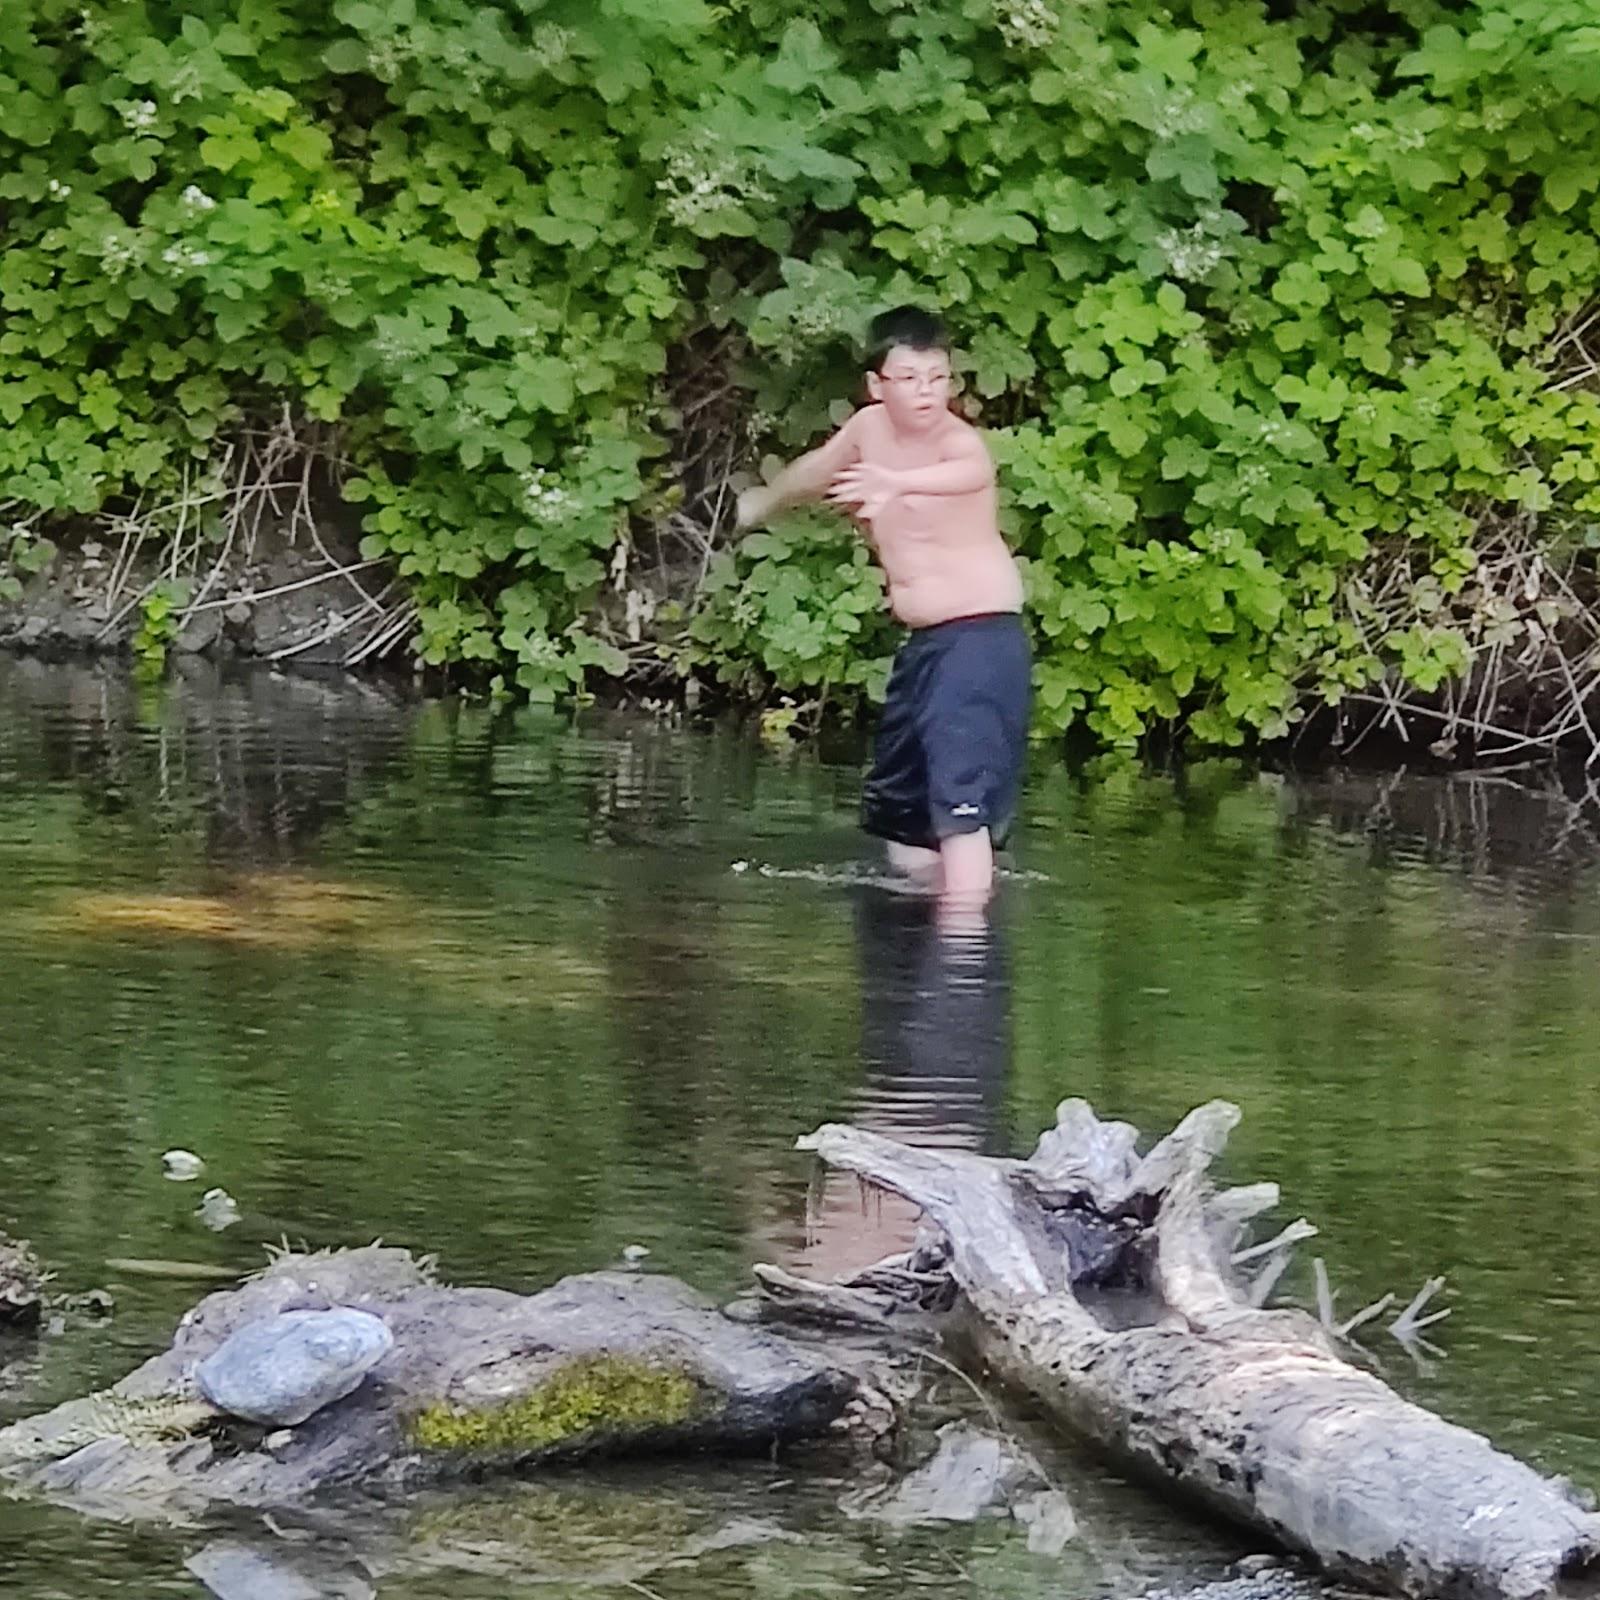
pixel 522 990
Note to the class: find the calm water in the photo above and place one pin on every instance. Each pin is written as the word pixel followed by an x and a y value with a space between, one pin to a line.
pixel 521 991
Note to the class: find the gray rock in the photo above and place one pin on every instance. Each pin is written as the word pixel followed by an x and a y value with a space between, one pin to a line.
pixel 610 1363
pixel 970 1473
pixel 235 1571
pixel 283 1369
pixel 200 631
pixel 1049 1519
pixel 1275 1582
pixel 82 627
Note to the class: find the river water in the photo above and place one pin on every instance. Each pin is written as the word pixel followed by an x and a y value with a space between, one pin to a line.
pixel 522 990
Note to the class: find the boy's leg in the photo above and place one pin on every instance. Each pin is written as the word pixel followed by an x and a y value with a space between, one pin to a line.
pixel 966 862
pixel 922 866
pixel 966 884
pixel 974 738
pixel 894 798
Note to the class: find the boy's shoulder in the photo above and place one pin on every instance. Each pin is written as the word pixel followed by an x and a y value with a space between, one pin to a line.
pixel 957 427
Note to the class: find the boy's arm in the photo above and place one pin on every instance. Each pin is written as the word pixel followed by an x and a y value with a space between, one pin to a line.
pixel 807 478
pixel 965 469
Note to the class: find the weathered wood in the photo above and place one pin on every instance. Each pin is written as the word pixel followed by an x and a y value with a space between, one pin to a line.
pixel 1101 1282
pixel 478 1380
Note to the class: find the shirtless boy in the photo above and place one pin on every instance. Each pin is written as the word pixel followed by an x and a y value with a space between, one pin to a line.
pixel 950 747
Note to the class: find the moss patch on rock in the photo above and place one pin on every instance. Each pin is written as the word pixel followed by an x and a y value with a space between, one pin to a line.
pixel 596 1394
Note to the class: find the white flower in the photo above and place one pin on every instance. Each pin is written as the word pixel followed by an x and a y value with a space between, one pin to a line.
pixel 1180 113
pixel 390 348
pixel 140 115
pixel 185 83
pixel 552 44
pixel 196 199
pixel 58 190
pixel 387 56
pixel 1191 253
pixel 1026 24
pixel 700 180
pixel 546 502
pixel 185 256
pixel 119 251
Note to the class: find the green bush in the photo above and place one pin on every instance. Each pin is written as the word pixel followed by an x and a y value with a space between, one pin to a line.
pixel 1259 300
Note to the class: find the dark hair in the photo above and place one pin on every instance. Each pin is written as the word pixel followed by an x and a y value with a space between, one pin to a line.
pixel 907 326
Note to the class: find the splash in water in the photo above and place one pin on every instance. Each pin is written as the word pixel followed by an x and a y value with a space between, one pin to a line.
pixel 860 876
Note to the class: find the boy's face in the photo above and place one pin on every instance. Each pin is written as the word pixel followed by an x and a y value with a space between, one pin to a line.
pixel 913 386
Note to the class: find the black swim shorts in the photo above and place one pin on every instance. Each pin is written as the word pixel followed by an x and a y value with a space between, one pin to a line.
pixel 954 733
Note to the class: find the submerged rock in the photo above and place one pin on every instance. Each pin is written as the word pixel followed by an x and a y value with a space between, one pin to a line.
pixel 974 1473
pixel 970 1473
pixel 22 1281
pixel 233 1570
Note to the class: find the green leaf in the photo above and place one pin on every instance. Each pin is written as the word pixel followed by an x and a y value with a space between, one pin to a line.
pixel 346 56
pixel 1191 160
pixel 308 146
pixel 224 151
pixel 1567 185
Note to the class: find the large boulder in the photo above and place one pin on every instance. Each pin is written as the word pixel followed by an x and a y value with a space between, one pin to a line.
pixel 477 1380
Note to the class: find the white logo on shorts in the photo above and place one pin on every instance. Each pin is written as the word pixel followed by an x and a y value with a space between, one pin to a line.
pixel 963 811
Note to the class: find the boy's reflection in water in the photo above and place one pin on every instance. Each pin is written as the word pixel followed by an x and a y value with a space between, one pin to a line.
pixel 936 1049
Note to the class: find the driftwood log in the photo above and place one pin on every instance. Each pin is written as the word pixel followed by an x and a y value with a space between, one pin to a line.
pixel 1101 1282
pixel 477 1380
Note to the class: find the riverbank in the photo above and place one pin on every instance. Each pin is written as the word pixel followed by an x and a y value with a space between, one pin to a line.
pixel 298 591
pixel 304 596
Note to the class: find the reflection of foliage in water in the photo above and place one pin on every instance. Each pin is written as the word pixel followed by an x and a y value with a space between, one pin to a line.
pixel 297 913
pixel 578 1530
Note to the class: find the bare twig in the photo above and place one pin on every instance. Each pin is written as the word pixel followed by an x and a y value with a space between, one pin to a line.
pixel 1410 1323
pixel 1296 1233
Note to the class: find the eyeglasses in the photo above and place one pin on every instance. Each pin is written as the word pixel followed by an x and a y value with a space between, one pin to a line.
pixel 917 380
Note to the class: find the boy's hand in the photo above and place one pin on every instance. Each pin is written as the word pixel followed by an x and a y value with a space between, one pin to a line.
pixel 866 488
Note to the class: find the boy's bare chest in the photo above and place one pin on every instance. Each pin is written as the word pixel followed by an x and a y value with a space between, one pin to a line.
pixel 881 446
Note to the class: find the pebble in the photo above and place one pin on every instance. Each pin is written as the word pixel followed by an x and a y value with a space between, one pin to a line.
pixel 181 1166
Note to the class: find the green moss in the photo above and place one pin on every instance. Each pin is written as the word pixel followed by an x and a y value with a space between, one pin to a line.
pixel 592 1394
